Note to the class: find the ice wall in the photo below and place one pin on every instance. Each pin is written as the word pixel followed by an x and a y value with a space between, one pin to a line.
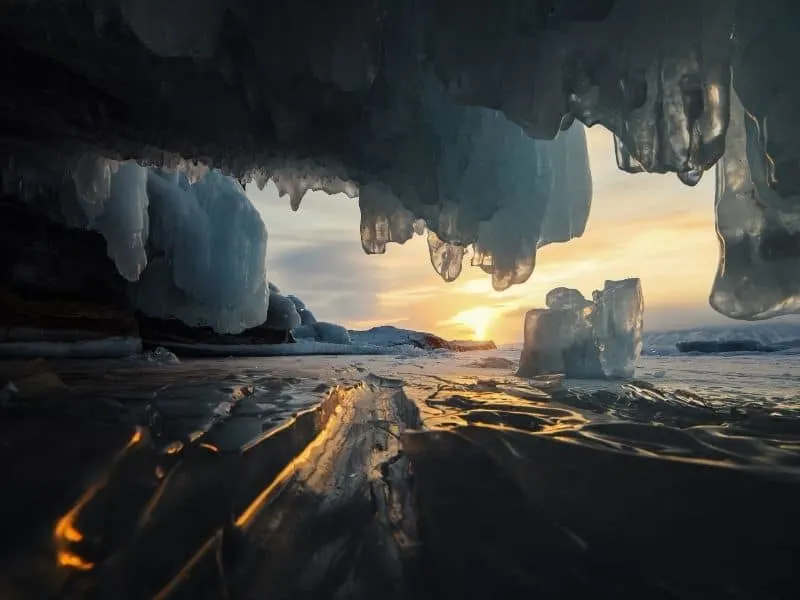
pixel 208 249
pixel 582 338
pixel 426 108
pixel 193 250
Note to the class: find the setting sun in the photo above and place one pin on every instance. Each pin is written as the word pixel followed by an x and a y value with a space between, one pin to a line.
pixel 478 319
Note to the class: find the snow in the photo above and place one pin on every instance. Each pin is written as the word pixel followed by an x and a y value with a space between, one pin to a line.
pixel 774 334
pixel 583 339
pixel 387 335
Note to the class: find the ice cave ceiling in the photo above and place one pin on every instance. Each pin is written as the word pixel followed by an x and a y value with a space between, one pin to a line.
pixel 455 112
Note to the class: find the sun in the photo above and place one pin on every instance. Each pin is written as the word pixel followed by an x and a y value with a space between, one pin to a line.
pixel 478 319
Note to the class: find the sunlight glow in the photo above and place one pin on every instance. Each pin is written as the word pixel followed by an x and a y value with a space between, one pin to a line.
pixel 478 319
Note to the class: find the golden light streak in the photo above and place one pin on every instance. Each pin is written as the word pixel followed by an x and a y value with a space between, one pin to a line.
pixel 68 559
pixel 66 531
pixel 289 470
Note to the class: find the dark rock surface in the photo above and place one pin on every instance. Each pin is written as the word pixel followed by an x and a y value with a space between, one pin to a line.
pixel 166 332
pixel 56 282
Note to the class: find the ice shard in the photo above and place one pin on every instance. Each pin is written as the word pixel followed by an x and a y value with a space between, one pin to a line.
pixel 601 338
pixel 617 320
pixel 562 297
pixel 758 228
pixel 559 341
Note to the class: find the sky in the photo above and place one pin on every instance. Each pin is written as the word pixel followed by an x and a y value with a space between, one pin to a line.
pixel 645 225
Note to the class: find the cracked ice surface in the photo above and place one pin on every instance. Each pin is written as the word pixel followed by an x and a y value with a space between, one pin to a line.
pixel 426 109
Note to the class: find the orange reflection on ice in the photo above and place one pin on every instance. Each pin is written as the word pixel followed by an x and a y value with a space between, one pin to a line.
pixel 68 559
pixel 66 531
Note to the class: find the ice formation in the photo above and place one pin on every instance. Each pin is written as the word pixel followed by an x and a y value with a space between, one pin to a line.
pixel 758 227
pixel 114 199
pixel 290 313
pixel 562 297
pixel 282 314
pixel 193 251
pixel 306 316
pixel 330 333
pixel 462 115
pixel 582 338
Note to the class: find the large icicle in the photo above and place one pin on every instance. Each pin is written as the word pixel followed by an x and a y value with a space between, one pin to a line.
pixel 759 230
pixel 113 197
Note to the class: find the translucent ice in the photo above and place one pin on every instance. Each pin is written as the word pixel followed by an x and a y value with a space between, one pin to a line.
pixel 759 229
pixel 562 297
pixel 582 338
pixel 209 245
pixel 113 196
pixel 559 341
pixel 617 323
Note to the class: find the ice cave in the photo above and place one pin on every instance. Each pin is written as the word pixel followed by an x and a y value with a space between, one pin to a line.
pixel 130 128
pixel 127 120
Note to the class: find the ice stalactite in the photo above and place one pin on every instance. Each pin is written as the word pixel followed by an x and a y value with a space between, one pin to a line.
pixel 384 219
pixel 114 198
pixel 758 229
pixel 493 187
